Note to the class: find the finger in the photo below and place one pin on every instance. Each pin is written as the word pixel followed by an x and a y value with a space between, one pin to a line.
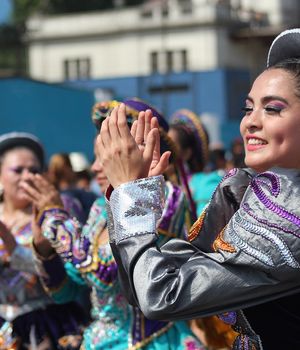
pixel 139 139
pixel 134 129
pixel 155 125
pixel 122 123
pixel 100 149
pixel 104 134
pixel 30 190
pixel 113 124
pixel 162 165
pixel 42 184
pixel 151 141
pixel 148 117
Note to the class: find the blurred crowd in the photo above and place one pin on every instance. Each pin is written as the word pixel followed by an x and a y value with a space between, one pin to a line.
pixel 55 257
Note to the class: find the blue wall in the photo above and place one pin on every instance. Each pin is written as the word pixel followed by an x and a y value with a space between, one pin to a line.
pixel 59 116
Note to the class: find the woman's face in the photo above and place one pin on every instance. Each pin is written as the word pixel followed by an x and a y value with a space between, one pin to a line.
pixel 97 168
pixel 17 164
pixel 271 125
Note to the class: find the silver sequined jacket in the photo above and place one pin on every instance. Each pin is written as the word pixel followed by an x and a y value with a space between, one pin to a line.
pixel 244 249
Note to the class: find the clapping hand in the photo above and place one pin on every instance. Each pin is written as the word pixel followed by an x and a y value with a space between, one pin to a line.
pixel 127 156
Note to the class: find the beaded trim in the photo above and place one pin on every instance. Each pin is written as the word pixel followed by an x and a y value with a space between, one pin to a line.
pixel 249 211
pixel 195 229
pixel 246 247
pixel 274 190
pixel 280 245
pixel 220 244
pixel 146 341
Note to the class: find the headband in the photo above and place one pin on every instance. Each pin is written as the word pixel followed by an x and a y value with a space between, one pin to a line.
pixel 285 45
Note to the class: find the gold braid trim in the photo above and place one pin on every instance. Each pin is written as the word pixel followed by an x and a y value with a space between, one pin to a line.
pixel 46 208
pixel 220 244
pixel 196 228
pixel 166 233
pixel 146 341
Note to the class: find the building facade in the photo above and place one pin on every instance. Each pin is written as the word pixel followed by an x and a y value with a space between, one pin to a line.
pixel 197 54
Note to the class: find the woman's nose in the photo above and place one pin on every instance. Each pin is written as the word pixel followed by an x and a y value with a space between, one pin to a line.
pixel 254 120
pixel 26 174
pixel 97 167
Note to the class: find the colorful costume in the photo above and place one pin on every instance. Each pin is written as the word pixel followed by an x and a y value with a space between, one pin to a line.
pixel 244 254
pixel 28 317
pixel 89 261
pixel 26 312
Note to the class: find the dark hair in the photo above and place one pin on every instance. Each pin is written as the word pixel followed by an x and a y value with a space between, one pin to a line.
pixel 291 65
pixel 60 169
pixel 187 141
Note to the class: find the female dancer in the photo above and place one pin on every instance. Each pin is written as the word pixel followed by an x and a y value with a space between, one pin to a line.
pixel 245 248
pixel 89 260
pixel 187 131
pixel 28 316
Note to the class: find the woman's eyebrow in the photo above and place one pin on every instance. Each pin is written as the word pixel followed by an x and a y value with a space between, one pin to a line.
pixel 269 98
pixel 274 97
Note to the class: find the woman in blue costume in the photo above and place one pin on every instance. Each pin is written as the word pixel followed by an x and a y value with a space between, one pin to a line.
pixel 89 261
pixel 28 317
pixel 188 132
pixel 243 258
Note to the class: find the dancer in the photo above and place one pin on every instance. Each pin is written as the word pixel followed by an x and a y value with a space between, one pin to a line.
pixel 28 317
pixel 188 132
pixel 245 249
pixel 89 260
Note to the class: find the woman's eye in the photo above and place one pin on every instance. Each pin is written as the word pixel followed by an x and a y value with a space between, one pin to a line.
pixel 273 109
pixel 247 109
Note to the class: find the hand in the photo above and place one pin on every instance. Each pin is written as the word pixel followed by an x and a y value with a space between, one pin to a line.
pixel 7 238
pixel 122 158
pixel 140 131
pixel 40 192
pixel 40 243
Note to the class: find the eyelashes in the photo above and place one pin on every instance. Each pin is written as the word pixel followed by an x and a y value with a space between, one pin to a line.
pixel 268 109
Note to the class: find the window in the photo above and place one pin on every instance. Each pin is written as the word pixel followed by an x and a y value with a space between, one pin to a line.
pixel 184 61
pixel 169 61
pixel 154 62
pixel 186 6
pixel 78 68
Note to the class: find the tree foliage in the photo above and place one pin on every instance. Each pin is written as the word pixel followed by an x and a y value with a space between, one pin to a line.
pixel 22 9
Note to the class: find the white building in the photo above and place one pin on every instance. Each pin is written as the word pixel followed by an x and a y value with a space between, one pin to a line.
pixel 160 36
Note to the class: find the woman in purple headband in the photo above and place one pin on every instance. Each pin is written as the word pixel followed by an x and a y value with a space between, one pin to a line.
pixel 89 260
pixel 243 258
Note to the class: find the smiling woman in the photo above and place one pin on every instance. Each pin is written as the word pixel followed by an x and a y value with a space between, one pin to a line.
pixel 271 125
pixel 243 258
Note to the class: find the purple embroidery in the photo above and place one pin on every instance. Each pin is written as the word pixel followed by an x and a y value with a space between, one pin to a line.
pixel 228 317
pixel 230 173
pixel 171 209
pixel 249 211
pixel 274 190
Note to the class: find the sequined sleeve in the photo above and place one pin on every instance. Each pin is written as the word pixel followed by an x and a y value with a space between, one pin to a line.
pixel 257 261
